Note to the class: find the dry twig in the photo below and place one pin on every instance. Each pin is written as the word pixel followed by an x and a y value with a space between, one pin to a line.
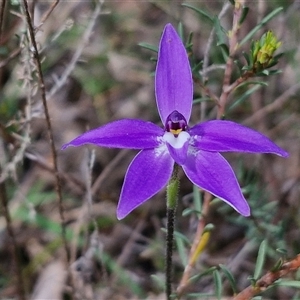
pixel 267 280
pixel 37 61
pixel 197 239
pixel 2 9
pixel 82 44
pixel 233 44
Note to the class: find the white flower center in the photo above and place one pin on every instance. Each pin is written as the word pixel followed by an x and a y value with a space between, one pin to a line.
pixel 176 142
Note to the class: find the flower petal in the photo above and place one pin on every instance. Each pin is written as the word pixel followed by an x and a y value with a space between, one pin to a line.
pixel 225 136
pixel 147 174
pixel 126 133
pixel 177 146
pixel 211 172
pixel 173 78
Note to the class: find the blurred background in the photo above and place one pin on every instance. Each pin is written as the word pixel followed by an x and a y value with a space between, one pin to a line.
pixel 95 71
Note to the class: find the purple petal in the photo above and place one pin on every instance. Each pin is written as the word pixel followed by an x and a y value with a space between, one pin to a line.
pixel 177 146
pixel 179 154
pixel 173 79
pixel 133 134
pixel 226 136
pixel 211 172
pixel 147 174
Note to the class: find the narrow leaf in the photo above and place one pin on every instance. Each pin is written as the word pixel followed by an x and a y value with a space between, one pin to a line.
pixel 230 278
pixel 245 11
pixel 180 31
pixel 197 199
pixel 260 259
pixel 206 272
pixel 199 11
pixel 244 96
pixel 182 237
pixel 289 283
pixel 148 47
pixel 220 32
pixel 265 20
pixel 218 284
pixel 181 250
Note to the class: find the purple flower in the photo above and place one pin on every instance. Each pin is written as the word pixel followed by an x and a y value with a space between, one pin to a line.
pixel 196 149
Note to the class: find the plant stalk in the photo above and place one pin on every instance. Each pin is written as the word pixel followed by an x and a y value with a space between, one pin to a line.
pixel 172 196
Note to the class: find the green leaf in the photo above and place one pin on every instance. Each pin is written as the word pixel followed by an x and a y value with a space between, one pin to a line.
pixel 220 32
pixel 199 11
pixel 218 284
pixel 288 283
pixel 197 199
pixel 180 30
pixel 245 11
pixel 181 250
pixel 188 211
pixel 282 251
pixel 264 21
pixel 206 272
pixel 182 236
pixel 260 259
pixel 230 278
pixel 277 266
pixel 225 51
pixel 244 96
pixel 209 227
pixel 148 47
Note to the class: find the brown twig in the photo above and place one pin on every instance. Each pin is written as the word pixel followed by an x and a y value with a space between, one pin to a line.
pixel 37 61
pixel 2 9
pixel 13 243
pixel 268 279
pixel 48 12
pixel 275 105
pixel 82 44
pixel 197 239
pixel 209 43
pixel 13 54
pixel 233 44
pixel 206 91
pixel 107 170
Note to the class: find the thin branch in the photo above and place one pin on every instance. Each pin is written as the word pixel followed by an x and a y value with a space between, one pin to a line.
pixel 197 239
pixel 205 68
pixel 12 243
pixel 48 12
pixel 37 60
pixel 107 170
pixel 209 43
pixel 268 279
pixel 206 91
pixel 83 42
pixel 13 54
pixel 275 105
pixel 233 44
pixel 2 9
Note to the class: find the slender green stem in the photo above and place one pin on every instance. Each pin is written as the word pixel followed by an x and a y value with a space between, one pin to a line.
pixel 172 195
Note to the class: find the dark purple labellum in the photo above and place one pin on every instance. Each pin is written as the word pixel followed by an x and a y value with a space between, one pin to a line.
pixel 176 123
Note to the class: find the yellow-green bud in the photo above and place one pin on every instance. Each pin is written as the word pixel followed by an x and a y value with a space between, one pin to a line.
pixel 264 49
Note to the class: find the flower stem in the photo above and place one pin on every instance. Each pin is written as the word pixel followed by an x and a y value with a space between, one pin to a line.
pixel 172 195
